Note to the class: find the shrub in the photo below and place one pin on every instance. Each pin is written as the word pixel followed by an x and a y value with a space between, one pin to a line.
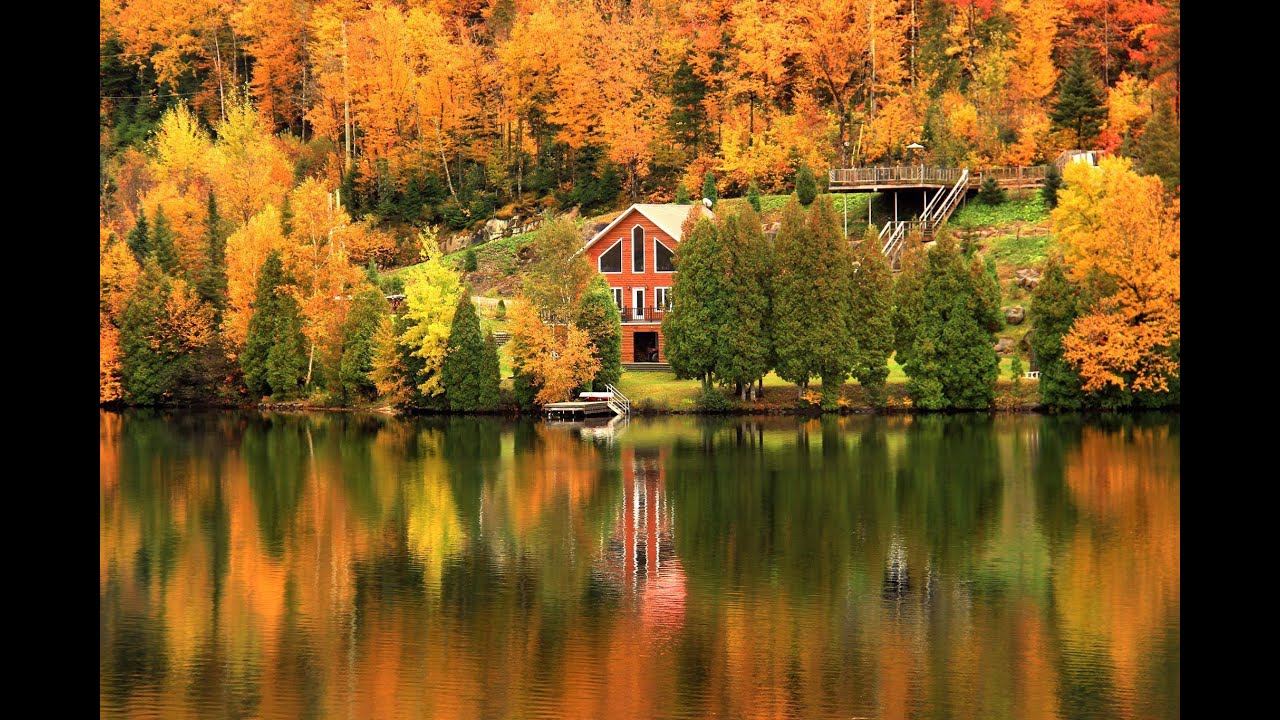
pixel 1052 181
pixel 806 186
pixel 990 192
pixel 501 311
pixel 712 400
pixel 469 261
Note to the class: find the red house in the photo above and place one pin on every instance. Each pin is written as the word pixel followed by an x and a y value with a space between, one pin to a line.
pixel 634 254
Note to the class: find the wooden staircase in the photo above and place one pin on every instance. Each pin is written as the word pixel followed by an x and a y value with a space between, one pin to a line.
pixel 647 367
pixel 939 209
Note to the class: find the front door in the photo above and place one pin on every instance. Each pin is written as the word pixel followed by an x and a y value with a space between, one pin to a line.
pixel 637 309
pixel 646 347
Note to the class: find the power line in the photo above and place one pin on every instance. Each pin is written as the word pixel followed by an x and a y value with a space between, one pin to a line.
pixel 140 97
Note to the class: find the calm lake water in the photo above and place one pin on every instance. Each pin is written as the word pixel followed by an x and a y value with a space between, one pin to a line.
pixel 348 566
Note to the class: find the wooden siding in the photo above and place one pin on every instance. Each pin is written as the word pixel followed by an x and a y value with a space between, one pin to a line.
pixel 628 280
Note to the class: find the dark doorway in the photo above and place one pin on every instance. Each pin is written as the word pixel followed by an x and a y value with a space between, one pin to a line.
pixel 646 344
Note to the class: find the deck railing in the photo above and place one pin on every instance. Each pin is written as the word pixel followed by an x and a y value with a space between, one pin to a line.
pixel 924 175
pixel 642 314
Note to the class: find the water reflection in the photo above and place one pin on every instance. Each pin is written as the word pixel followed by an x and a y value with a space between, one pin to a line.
pixel 339 565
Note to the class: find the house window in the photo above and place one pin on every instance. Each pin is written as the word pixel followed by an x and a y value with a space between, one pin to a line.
pixel 637 249
pixel 662 298
pixel 637 312
pixel 662 257
pixel 617 296
pixel 611 259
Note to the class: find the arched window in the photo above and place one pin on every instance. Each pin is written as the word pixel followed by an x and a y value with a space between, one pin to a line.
pixel 637 249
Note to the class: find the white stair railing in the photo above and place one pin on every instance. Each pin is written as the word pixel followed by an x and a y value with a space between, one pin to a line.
pixel 620 404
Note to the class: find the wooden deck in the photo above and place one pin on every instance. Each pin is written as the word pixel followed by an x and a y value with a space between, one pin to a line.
pixel 922 177
pixel 577 409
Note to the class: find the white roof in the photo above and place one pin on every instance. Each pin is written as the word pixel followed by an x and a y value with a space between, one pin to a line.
pixel 667 216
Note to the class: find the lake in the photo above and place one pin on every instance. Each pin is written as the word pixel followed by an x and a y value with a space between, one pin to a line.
pixel 336 565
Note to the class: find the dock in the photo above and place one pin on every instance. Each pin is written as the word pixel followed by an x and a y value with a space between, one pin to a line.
pixel 590 404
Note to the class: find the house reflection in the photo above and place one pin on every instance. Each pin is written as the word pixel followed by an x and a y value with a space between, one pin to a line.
pixel 640 553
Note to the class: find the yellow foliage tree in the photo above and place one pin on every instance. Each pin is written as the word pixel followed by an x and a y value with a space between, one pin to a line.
pixel 247 167
pixel 556 358
pixel 247 249
pixel 1122 240
pixel 431 293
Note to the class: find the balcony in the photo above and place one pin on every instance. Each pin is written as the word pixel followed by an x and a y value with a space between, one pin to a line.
pixel 650 314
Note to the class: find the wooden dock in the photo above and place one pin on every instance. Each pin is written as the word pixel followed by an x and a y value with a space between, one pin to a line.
pixel 577 409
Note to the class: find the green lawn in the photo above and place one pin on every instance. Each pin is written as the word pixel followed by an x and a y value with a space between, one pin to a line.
pixel 1030 209
pixel 1018 250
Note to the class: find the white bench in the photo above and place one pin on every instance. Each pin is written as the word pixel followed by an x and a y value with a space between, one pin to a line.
pixel 1032 375
pixel 596 396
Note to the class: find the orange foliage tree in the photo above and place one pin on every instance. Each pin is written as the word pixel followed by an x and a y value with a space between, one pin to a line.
pixel 1122 239
pixel 556 358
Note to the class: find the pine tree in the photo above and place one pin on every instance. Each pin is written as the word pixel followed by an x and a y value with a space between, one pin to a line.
pixel 274 359
pixel 811 309
pixel 598 316
pixel 162 243
pixel 286 217
pixel 689 328
pixel 1081 106
pixel 1052 182
pixel 741 343
pixel 753 196
pixel 470 379
pixel 355 367
pixel 139 238
pixel 709 191
pixel 872 317
pixel 213 282
pixel 470 263
pixel 943 326
pixel 682 195
pixel 1160 146
pixel 806 185
pixel 1054 307
pixel 147 370
pixel 990 192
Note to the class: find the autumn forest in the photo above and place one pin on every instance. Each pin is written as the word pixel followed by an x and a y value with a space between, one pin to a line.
pixel 266 167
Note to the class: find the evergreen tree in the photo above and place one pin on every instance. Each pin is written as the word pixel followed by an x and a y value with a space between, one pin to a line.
pixel 598 316
pixel 162 243
pixel 1160 146
pixel 148 371
pixel 286 217
pixel 753 196
pixel 1052 182
pixel 139 238
pixel 470 262
pixel 806 185
pixel 682 195
pixel 501 311
pixel 1081 106
pixel 811 310
pixel 990 192
pixel 355 367
pixel 944 331
pixel 1054 307
pixel 709 191
pixel 872 317
pixel 470 378
pixel 689 328
pixel 274 360
pixel 741 343
pixel 213 281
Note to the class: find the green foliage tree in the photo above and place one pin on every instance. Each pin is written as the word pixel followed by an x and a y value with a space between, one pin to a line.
pixel 501 311
pixel 990 192
pixel 811 309
pixel 355 367
pixel 1081 106
pixel 1054 307
pixel 139 238
pixel 558 275
pixel 753 196
pixel 431 293
pixel 1159 148
pixel 944 323
pixel 212 284
pixel 741 342
pixel 470 372
pixel 689 328
pixel 871 324
pixel 149 369
pixel 470 262
pixel 274 360
pixel 806 185
pixel 1052 183
pixel 709 190
pixel 598 316
pixel 682 195
pixel 161 245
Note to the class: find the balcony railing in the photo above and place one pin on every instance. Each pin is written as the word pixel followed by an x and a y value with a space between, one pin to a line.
pixel 642 314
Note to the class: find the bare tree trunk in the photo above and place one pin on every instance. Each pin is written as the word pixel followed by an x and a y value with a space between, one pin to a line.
pixel 222 101
pixel 310 363
pixel 346 98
